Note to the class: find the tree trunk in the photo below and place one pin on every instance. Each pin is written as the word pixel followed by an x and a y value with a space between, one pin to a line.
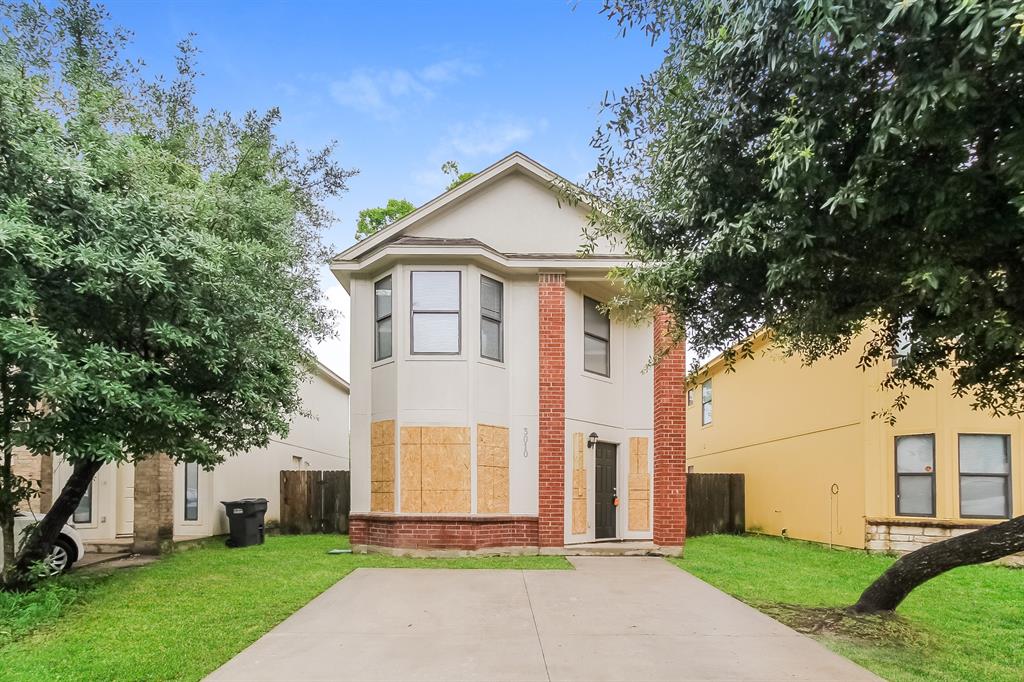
pixel 44 534
pixel 920 566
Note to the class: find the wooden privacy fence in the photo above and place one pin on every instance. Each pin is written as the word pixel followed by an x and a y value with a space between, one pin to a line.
pixel 314 501
pixel 714 504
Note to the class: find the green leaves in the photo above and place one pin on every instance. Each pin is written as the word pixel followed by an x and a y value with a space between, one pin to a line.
pixel 830 165
pixel 159 267
pixel 373 220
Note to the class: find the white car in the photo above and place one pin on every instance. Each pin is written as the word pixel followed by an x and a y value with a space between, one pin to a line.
pixel 66 551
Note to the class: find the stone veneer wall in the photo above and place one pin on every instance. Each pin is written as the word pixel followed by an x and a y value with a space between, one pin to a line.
pixel 901 536
pixel 153 530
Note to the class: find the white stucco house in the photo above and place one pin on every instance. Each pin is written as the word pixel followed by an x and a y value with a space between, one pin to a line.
pixel 144 505
pixel 495 405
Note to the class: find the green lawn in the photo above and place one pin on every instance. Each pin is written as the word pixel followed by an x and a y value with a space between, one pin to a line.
pixel 967 624
pixel 183 616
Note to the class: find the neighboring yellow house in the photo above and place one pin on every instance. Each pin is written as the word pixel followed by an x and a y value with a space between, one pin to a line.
pixel 819 467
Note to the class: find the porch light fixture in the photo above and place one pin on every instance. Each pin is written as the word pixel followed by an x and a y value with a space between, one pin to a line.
pixel 591 440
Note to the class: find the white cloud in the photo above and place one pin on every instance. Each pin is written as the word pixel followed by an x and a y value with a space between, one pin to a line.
pixel 448 70
pixel 486 137
pixel 380 92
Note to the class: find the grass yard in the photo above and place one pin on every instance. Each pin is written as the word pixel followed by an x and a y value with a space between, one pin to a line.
pixel 965 625
pixel 182 617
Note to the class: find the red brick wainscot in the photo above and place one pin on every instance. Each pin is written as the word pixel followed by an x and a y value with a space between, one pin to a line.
pixel 425 534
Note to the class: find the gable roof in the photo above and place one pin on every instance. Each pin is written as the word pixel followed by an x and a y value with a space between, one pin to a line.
pixel 514 162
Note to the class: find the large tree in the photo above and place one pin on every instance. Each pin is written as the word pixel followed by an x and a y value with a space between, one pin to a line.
pixel 161 266
pixel 830 169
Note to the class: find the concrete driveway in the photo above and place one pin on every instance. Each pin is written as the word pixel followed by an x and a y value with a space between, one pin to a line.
pixel 610 619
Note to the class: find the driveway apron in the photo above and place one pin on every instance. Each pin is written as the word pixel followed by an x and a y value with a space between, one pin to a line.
pixel 613 618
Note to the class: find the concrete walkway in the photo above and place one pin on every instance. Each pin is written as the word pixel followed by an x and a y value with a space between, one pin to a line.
pixel 610 619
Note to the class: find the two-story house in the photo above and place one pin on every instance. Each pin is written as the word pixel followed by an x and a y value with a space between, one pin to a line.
pixel 495 404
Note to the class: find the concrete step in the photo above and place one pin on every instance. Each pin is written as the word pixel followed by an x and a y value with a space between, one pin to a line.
pixel 613 548
pixel 115 546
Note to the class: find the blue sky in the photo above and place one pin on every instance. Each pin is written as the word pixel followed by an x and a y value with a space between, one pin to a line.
pixel 404 86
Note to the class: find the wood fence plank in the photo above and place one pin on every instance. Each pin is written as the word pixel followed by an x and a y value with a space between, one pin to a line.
pixel 314 501
pixel 714 504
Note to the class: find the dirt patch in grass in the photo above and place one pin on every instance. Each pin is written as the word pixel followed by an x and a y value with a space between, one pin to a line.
pixel 842 623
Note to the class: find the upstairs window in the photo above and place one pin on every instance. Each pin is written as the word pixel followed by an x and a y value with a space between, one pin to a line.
pixel 984 476
pixel 436 312
pixel 596 338
pixel 915 475
pixel 491 328
pixel 705 403
pixel 382 319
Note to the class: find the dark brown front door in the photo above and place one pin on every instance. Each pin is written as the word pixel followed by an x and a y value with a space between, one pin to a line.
pixel 604 497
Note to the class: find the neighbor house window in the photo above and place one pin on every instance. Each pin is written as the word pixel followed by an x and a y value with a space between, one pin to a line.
pixel 915 475
pixel 191 491
pixel 705 403
pixel 491 300
pixel 436 312
pixel 689 397
pixel 984 476
pixel 83 512
pixel 382 318
pixel 596 338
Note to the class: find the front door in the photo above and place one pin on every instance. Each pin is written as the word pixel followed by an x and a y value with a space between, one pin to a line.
pixel 125 499
pixel 605 490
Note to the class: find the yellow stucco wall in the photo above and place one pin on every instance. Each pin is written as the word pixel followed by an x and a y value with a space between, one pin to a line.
pixel 816 463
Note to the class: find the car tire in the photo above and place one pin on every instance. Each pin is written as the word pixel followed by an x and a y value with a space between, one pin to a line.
pixel 62 556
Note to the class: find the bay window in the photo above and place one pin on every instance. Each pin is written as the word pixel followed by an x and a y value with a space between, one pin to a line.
pixel 382 318
pixel 436 312
pixel 491 319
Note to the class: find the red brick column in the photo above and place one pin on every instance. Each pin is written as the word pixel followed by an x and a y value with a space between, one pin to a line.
pixel 669 436
pixel 551 410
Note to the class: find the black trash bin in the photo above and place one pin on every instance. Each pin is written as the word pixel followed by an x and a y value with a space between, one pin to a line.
pixel 245 520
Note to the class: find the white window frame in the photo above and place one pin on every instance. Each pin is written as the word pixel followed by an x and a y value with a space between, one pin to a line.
pixel 184 493
pixel 607 374
pixel 377 319
pixel 707 398
pixel 413 313
pixel 500 320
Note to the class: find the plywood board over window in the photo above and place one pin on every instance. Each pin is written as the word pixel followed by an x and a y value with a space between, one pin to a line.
pixel 491 469
pixel 435 463
pixel 639 485
pixel 579 484
pixel 382 466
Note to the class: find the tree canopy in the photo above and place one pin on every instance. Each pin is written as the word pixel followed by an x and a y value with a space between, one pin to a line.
pixel 827 169
pixel 161 265
pixel 373 220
